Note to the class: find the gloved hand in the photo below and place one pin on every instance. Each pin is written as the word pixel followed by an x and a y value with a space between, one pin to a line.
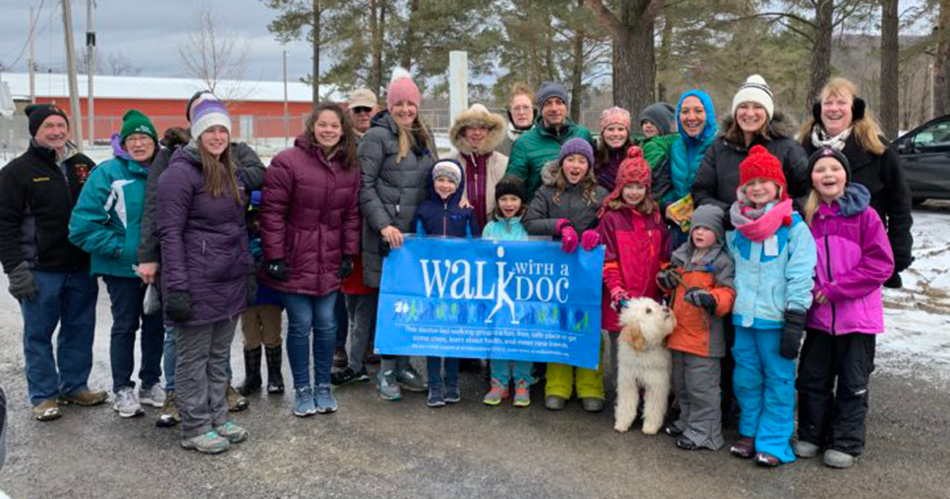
pixel 590 240
pixel 346 267
pixel 618 298
pixel 701 298
pixel 178 305
pixel 277 270
pixel 384 248
pixel 568 235
pixel 894 282
pixel 22 284
pixel 791 342
pixel 251 287
pixel 669 278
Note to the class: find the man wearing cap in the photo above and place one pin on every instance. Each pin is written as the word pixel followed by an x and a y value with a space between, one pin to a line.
pixel 362 107
pixel 542 144
pixel 48 275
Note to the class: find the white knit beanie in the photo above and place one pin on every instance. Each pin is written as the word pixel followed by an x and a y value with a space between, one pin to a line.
pixel 755 89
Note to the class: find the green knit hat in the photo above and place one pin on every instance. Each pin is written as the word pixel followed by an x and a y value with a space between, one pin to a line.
pixel 136 122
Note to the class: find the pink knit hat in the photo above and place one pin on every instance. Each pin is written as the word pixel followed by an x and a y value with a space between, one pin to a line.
pixel 615 116
pixel 402 88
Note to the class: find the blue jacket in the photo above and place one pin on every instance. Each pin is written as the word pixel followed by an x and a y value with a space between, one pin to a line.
pixel 767 285
pixel 445 218
pixel 505 230
pixel 686 154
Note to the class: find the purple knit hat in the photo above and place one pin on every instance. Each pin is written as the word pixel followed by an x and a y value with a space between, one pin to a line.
pixel 207 112
pixel 576 146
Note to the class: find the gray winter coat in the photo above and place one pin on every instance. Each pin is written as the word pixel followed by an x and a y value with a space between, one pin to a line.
pixel 543 212
pixel 389 192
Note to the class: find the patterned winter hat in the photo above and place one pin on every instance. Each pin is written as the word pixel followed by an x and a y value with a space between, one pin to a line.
pixel 448 168
pixel 136 122
pixel 755 89
pixel 761 164
pixel 207 112
pixel 615 116
pixel 633 169
pixel 825 152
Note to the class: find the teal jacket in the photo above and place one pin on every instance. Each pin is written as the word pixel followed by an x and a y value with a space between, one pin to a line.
pixel 538 146
pixel 505 230
pixel 106 221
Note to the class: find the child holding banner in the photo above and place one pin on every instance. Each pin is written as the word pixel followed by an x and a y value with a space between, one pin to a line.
pixel 565 205
pixel 441 215
pixel 505 225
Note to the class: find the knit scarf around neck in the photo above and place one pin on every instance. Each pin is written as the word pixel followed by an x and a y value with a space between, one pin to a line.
pixel 759 224
pixel 820 138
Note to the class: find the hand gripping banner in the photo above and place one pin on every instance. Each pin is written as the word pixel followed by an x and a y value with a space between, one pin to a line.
pixel 515 300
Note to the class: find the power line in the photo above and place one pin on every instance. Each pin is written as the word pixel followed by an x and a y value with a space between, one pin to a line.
pixel 29 35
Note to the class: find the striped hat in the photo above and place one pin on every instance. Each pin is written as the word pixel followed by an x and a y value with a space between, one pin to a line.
pixel 207 112
pixel 755 89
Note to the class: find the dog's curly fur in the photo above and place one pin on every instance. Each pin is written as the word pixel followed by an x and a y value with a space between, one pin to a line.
pixel 643 361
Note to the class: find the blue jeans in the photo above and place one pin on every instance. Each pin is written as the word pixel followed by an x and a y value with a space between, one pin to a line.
pixel 764 384
pixel 342 321
pixel 171 357
pixel 126 295
pixel 435 375
pixel 66 299
pixel 306 314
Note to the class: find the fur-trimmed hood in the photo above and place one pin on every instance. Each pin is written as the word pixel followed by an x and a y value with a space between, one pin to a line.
pixel 474 116
pixel 780 126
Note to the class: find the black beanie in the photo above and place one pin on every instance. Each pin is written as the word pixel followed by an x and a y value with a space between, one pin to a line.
pixel 510 184
pixel 37 114
pixel 825 152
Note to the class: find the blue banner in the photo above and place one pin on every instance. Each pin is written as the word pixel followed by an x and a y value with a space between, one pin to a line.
pixel 477 298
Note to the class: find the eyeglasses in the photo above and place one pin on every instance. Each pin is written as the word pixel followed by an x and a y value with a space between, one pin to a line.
pixel 138 139
pixel 521 109
pixel 361 110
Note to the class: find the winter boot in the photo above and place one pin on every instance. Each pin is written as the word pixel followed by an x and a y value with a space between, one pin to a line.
pixel 252 372
pixel 275 379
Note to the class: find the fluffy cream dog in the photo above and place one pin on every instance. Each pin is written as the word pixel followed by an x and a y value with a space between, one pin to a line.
pixel 643 361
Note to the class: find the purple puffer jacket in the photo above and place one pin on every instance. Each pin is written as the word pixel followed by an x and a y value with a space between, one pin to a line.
pixel 854 259
pixel 309 218
pixel 204 242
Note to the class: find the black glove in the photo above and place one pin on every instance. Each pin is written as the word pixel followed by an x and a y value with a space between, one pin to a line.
pixel 251 286
pixel 791 342
pixel 346 267
pixel 277 269
pixel 22 284
pixel 894 282
pixel 701 298
pixel 178 305
pixel 384 248
pixel 669 278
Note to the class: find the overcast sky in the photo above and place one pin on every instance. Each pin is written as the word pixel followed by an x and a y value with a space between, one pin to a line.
pixel 148 33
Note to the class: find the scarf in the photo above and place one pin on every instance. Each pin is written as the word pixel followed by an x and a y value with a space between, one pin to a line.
pixel 759 224
pixel 820 138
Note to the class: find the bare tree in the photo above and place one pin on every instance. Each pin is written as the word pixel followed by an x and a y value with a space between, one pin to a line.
pixel 215 55
pixel 109 63
pixel 941 76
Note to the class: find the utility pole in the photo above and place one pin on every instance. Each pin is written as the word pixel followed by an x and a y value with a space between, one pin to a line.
pixel 71 69
pixel 91 69
pixel 32 59
pixel 286 115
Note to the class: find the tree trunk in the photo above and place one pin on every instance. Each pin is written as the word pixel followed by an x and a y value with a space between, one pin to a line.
pixel 377 20
pixel 890 76
pixel 821 51
pixel 577 75
pixel 941 75
pixel 663 59
pixel 315 79
pixel 408 49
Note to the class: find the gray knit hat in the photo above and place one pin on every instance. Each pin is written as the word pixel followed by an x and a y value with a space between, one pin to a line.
pixel 661 114
pixel 551 89
pixel 711 217
pixel 448 168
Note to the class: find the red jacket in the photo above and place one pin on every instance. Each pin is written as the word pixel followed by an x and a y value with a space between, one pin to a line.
pixel 637 245
pixel 309 218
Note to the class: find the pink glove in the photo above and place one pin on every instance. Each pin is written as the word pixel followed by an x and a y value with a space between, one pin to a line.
pixel 590 240
pixel 568 239
pixel 618 298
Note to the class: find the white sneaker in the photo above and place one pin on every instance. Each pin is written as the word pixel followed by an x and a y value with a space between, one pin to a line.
pixel 154 396
pixel 127 403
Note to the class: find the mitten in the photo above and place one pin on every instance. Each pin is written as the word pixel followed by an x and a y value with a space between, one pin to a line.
pixel 894 282
pixel 251 286
pixel 346 267
pixel 701 298
pixel 178 306
pixel 618 298
pixel 669 278
pixel 277 269
pixel 792 331
pixel 22 284
pixel 568 235
pixel 590 240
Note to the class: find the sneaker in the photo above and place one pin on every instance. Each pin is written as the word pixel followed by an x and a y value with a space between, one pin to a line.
pixel 767 460
pixel 234 433
pixel 86 398
pixel 339 358
pixel 347 376
pixel 436 398
pixel 806 449
pixel 324 399
pixel 591 404
pixel 522 394
pixel 209 443
pixel 303 402
pixel 410 380
pixel 169 415
pixel 837 459
pixel 496 394
pixel 554 403
pixel 47 410
pixel 452 394
pixel 236 401
pixel 683 442
pixel 744 448
pixel 154 396
pixel 127 403
pixel 387 385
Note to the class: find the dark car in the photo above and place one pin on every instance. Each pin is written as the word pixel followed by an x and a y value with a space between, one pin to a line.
pixel 925 152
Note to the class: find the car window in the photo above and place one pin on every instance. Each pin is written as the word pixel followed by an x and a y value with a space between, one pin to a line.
pixel 936 135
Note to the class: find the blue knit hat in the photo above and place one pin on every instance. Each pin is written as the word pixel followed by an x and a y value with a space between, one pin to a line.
pixel 576 146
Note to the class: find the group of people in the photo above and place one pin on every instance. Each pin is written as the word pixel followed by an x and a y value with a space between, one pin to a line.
pixel 759 241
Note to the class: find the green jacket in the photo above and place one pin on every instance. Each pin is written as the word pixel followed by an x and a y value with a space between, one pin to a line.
pixel 536 147
pixel 656 149
pixel 107 219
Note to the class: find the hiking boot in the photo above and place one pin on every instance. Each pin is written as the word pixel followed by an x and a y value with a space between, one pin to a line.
pixel 47 410
pixel 236 401
pixel 324 399
pixel 522 394
pixel 496 394
pixel 767 460
pixel 168 416
pixel 86 398
pixel 154 396
pixel 234 433
pixel 387 386
pixel 410 380
pixel 208 443
pixel 340 360
pixel 347 376
pixel 436 398
pixel 303 402
pixel 127 403
pixel 275 379
pixel 837 459
pixel 672 430
pixel 252 372
pixel 554 403
pixel 806 449
pixel 592 404
pixel 683 442
pixel 372 359
pixel 744 448
pixel 452 394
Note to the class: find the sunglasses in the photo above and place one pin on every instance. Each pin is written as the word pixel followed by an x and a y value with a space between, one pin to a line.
pixel 361 110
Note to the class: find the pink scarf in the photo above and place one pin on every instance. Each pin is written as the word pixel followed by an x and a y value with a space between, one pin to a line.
pixel 758 227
